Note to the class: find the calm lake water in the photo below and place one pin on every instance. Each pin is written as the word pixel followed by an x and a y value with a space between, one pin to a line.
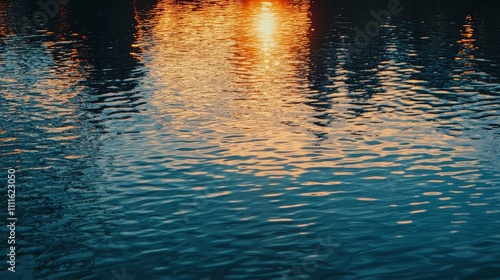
pixel 252 139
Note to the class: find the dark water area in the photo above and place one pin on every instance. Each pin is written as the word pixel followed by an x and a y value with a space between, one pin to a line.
pixel 251 139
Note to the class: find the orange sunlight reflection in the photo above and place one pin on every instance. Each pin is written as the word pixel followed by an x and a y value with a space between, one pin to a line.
pixel 266 22
pixel 241 70
pixel 466 53
pixel 236 77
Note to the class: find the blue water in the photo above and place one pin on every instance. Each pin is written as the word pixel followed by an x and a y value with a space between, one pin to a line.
pixel 252 140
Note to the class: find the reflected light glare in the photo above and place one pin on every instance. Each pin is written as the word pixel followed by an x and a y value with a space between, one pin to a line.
pixel 266 23
pixel 466 52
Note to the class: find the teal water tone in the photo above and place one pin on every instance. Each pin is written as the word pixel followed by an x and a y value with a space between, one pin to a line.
pixel 240 139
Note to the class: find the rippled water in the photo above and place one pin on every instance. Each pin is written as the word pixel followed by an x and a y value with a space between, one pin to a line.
pixel 250 140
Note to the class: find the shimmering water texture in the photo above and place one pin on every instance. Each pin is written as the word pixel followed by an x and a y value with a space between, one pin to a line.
pixel 249 140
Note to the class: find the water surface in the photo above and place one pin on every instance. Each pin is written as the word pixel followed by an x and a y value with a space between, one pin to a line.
pixel 247 140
